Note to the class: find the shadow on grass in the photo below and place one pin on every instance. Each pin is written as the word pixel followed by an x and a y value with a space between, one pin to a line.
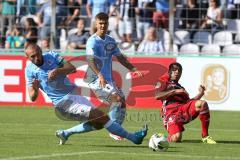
pixel 221 142
pixel 229 142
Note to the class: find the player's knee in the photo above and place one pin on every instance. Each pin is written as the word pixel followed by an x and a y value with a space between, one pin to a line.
pixel 201 104
pixel 176 137
pixel 98 118
pixel 116 98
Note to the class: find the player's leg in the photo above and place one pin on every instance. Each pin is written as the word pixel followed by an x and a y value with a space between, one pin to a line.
pixel 80 109
pixel 97 118
pixel 177 137
pixel 113 96
pixel 175 130
pixel 117 111
pixel 204 116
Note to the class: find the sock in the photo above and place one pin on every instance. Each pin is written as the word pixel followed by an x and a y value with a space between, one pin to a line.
pixel 81 128
pixel 117 129
pixel 117 112
pixel 204 117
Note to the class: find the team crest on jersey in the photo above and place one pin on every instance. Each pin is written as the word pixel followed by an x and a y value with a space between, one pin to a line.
pixel 109 47
pixel 49 62
pixel 215 77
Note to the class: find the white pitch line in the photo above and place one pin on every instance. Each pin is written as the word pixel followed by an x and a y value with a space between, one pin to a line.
pixel 121 153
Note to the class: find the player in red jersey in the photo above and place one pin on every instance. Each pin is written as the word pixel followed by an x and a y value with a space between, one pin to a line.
pixel 178 109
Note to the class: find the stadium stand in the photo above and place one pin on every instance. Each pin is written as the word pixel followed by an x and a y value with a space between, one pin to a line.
pixel 211 50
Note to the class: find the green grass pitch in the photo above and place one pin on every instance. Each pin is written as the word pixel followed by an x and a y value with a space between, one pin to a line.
pixel 27 133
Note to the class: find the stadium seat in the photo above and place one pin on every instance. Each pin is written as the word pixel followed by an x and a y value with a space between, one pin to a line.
pixel 237 38
pixel 127 48
pixel 166 49
pixel 233 25
pixel 231 50
pixel 211 49
pixel 164 36
pixel 202 38
pixel 223 38
pixel 189 49
pixel 181 37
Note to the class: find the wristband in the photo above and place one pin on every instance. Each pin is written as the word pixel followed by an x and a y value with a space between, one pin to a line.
pixel 134 69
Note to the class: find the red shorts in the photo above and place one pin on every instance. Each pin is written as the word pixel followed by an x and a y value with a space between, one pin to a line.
pixel 178 114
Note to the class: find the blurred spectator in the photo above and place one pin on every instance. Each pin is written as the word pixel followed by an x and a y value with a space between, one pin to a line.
pixel 78 39
pixel 31 31
pixel 25 7
pixel 179 6
pixel 191 18
pixel 160 16
pixel 213 20
pixel 15 39
pixel 126 19
pixel 94 7
pixel 45 44
pixel 144 13
pixel 8 16
pixel 74 12
pixel 150 44
pixel 44 20
pixel 233 9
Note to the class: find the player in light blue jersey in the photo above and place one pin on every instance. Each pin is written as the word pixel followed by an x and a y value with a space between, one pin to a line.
pixel 100 49
pixel 48 72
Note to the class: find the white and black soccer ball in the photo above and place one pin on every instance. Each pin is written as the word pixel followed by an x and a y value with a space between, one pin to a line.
pixel 158 142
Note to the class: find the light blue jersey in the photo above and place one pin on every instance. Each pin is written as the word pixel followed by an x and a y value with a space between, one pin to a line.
pixel 55 89
pixel 103 49
pixel 100 6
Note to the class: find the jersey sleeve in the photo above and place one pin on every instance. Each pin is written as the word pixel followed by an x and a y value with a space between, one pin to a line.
pixel 90 48
pixel 162 82
pixel 116 51
pixel 59 59
pixel 29 76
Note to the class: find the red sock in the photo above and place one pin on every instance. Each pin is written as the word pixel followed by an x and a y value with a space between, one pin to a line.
pixel 204 116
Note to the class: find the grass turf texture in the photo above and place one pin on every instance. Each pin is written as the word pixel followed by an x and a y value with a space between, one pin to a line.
pixel 28 133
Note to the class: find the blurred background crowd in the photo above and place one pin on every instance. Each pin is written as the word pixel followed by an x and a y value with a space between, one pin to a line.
pixel 143 27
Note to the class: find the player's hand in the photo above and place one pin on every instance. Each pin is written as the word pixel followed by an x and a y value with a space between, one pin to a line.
pixel 35 84
pixel 102 81
pixel 136 73
pixel 52 74
pixel 201 89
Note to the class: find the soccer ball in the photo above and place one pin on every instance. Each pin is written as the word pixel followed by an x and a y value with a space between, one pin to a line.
pixel 158 142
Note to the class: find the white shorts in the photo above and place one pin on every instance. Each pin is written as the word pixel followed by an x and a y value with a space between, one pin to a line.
pixel 125 27
pixel 74 107
pixel 105 93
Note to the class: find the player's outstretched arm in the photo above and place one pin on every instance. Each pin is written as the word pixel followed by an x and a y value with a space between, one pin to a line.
pixel 162 95
pixel 65 69
pixel 33 90
pixel 201 90
pixel 92 64
pixel 124 61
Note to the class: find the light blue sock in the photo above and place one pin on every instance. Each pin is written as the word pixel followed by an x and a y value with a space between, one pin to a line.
pixel 117 129
pixel 81 128
pixel 117 113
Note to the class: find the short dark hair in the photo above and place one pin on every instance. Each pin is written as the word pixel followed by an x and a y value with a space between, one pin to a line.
pixel 102 16
pixel 170 68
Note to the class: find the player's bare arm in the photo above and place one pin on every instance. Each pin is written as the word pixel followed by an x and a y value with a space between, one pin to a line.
pixel 92 65
pixel 33 90
pixel 201 91
pixel 162 95
pixel 123 60
pixel 65 69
